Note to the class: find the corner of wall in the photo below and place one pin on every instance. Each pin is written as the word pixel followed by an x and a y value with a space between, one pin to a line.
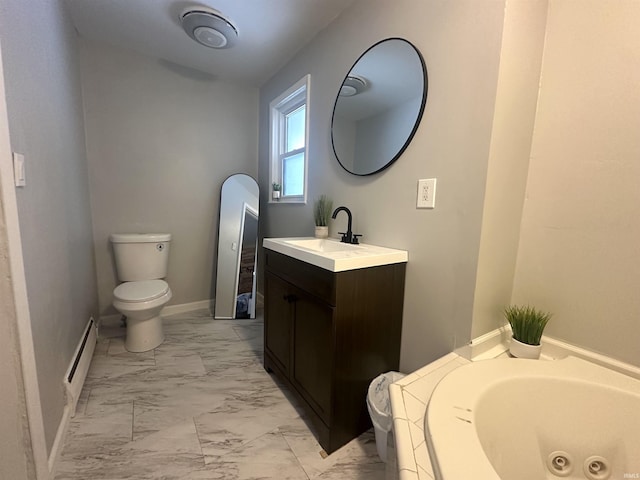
pixel 511 139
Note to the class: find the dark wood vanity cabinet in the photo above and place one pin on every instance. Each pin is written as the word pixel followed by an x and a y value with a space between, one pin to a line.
pixel 328 334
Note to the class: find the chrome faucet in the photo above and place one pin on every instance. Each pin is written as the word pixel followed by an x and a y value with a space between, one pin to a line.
pixel 348 236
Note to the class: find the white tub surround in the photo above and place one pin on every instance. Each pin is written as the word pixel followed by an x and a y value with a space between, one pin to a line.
pixel 409 398
pixel 411 395
pixel 525 419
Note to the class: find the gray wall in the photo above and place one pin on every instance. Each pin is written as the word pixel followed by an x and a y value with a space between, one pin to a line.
pixel 161 139
pixel 460 42
pixel 45 122
pixel 537 188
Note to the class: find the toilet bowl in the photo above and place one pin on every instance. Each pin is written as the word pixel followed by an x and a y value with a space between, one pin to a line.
pixel 141 261
pixel 141 302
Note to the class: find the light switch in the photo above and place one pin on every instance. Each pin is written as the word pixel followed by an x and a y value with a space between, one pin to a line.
pixel 18 170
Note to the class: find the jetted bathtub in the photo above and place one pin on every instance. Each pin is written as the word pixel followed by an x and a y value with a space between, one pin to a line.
pixel 515 419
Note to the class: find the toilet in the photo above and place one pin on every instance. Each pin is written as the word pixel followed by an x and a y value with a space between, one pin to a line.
pixel 141 264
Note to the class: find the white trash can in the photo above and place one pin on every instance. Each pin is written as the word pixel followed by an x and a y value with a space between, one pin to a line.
pixel 379 405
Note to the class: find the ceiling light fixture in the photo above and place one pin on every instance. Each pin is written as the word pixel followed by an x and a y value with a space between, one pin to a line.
pixel 352 85
pixel 209 28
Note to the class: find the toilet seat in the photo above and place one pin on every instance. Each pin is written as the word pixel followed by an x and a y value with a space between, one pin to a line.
pixel 141 291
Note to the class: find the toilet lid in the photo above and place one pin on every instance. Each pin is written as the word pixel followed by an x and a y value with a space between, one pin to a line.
pixel 141 291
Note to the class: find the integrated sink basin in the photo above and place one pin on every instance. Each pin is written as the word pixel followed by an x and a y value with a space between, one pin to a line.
pixel 322 245
pixel 333 255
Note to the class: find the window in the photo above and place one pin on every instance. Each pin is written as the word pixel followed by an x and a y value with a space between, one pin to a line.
pixel 289 139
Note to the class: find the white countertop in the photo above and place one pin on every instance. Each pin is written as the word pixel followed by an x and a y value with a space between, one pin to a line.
pixel 333 255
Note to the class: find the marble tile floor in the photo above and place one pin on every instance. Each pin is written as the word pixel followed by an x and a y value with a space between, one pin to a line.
pixel 200 406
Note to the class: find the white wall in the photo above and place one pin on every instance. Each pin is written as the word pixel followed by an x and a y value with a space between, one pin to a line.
pixel 15 454
pixel 161 139
pixel 515 111
pixel 460 42
pixel 579 253
pixel 14 441
pixel 45 123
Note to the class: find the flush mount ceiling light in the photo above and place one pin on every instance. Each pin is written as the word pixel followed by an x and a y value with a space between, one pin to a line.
pixel 352 85
pixel 209 28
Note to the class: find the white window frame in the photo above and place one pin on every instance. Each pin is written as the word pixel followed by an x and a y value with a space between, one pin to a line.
pixel 290 100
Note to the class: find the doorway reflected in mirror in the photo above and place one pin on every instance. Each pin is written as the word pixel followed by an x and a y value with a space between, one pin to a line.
pixel 245 307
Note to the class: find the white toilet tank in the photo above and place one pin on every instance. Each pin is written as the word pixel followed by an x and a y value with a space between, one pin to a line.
pixel 141 256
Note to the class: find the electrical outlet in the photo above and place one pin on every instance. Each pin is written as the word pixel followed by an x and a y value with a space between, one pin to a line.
pixel 426 193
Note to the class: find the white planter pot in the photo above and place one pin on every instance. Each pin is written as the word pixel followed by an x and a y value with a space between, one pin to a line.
pixel 322 232
pixel 524 350
pixel 276 194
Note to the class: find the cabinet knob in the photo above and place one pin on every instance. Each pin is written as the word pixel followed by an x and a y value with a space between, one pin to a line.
pixel 290 298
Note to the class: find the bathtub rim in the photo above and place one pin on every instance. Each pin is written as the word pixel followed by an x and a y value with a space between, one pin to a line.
pixel 475 379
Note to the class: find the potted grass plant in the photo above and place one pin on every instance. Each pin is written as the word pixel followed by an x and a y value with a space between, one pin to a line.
pixel 527 324
pixel 322 208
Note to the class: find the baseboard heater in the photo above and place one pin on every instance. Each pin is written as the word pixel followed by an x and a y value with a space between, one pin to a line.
pixel 77 373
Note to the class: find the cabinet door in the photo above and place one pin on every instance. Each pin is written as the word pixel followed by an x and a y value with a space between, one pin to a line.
pixel 313 352
pixel 277 321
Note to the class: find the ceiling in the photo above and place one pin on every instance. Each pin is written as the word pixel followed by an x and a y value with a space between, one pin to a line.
pixel 270 32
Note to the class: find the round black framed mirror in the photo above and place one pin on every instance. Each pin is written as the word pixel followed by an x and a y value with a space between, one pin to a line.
pixel 379 106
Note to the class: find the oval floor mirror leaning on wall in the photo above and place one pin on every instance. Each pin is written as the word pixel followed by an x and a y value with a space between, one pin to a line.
pixel 237 248
pixel 379 106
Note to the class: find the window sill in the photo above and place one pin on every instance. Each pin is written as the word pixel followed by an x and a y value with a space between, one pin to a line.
pixel 282 201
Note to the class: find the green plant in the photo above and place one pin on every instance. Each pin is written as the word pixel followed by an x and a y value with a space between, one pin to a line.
pixel 322 208
pixel 527 323
pixel 275 186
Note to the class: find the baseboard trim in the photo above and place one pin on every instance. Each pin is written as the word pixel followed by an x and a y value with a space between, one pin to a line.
pixel 114 319
pixel 496 342
pixel 188 307
pixel 489 345
pixel 554 348
pixel 58 443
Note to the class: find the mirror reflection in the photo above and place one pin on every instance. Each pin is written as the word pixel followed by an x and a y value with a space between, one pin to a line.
pixel 379 106
pixel 237 248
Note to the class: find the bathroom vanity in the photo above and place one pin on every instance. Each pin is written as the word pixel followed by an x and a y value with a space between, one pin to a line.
pixel 333 320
